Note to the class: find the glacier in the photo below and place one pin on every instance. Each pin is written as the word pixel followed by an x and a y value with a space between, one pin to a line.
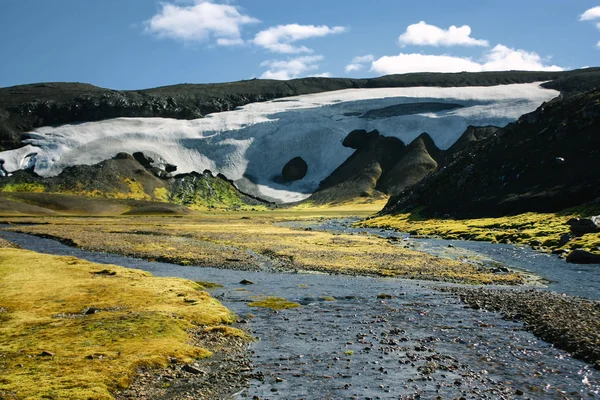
pixel 251 144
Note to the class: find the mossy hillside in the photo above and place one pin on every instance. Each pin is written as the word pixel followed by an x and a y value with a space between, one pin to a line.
pixel 252 239
pixel 142 321
pixel 535 229
pixel 204 191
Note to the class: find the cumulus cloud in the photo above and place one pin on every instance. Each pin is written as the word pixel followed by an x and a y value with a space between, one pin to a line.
pixel 200 21
pixel 499 58
pixel 423 34
pixel 591 14
pixel 292 68
pixel 354 67
pixel 358 63
pixel 280 38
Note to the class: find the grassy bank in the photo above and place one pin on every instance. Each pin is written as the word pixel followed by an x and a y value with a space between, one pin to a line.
pixel 539 230
pixel 74 329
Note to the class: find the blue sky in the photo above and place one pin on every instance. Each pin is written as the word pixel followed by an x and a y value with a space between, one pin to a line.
pixel 132 44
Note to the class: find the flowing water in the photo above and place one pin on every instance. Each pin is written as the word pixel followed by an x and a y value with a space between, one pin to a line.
pixel 370 338
pixel 557 274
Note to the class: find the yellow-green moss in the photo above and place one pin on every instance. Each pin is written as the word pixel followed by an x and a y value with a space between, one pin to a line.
pixel 543 229
pixel 274 303
pixel 23 187
pixel 209 285
pixel 142 321
pixel 161 194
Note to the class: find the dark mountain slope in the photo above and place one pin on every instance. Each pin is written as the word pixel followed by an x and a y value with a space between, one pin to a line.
pixel 419 159
pixel 359 174
pixel 23 108
pixel 546 161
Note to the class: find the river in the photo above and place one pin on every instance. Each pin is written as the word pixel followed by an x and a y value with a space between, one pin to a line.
pixel 346 341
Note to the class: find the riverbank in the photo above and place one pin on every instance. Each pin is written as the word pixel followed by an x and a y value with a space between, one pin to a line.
pixel 75 329
pixel 543 232
pixel 253 241
pixel 569 323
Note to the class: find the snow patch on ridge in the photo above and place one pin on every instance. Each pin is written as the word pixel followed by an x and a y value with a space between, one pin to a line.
pixel 251 144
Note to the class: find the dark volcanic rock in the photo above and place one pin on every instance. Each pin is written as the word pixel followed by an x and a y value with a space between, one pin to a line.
pixel 583 257
pixel 359 138
pixel 410 108
pixel 472 135
pixel 420 158
pixel 143 159
pixel 581 226
pixel 359 174
pixel 514 170
pixel 294 170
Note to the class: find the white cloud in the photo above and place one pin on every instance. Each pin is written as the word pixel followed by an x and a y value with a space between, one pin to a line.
pixel 280 38
pixel 354 67
pixel 598 45
pixel 423 34
pixel 199 22
pixel 292 68
pixel 321 75
pixel 358 62
pixel 230 42
pixel 363 59
pixel 405 63
pixel 592 13
pixel 500 58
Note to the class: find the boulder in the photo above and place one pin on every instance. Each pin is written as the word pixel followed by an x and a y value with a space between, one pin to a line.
pixel 359 138
pixel 581 226
pixel 564 239
pixel 123 156
pixel 143 159
pixel 294 170
pixel 170 168
pixel 583 257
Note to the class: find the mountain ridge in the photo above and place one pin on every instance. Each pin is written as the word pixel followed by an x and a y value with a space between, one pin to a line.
pixel 26 107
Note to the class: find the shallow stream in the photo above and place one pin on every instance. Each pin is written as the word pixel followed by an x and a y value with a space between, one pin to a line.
pixel 346 341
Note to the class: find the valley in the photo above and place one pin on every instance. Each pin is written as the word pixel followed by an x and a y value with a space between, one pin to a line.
pixel 430 235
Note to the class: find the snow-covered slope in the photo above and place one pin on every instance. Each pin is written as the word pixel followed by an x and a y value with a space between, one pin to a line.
pixel 250 145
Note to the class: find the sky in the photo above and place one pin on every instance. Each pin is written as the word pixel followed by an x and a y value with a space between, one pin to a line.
pixel 136 44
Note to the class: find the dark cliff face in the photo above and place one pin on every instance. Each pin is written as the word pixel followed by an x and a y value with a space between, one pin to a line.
pixel 26 107
pixel 546 161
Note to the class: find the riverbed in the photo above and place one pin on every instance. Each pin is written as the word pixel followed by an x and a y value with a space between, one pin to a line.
pixel 360 337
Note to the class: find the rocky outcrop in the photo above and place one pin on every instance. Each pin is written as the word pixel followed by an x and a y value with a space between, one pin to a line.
pixel 472 135
pixel 581 226
pixel 359 174
pixel 294 170
pixel 420 158
pixel 583 257
pixel 546 161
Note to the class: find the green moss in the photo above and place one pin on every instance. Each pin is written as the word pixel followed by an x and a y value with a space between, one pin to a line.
pixel 23 187
pixel 209 285
pixel 274 303
pixel 205 191
pixel 529 228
